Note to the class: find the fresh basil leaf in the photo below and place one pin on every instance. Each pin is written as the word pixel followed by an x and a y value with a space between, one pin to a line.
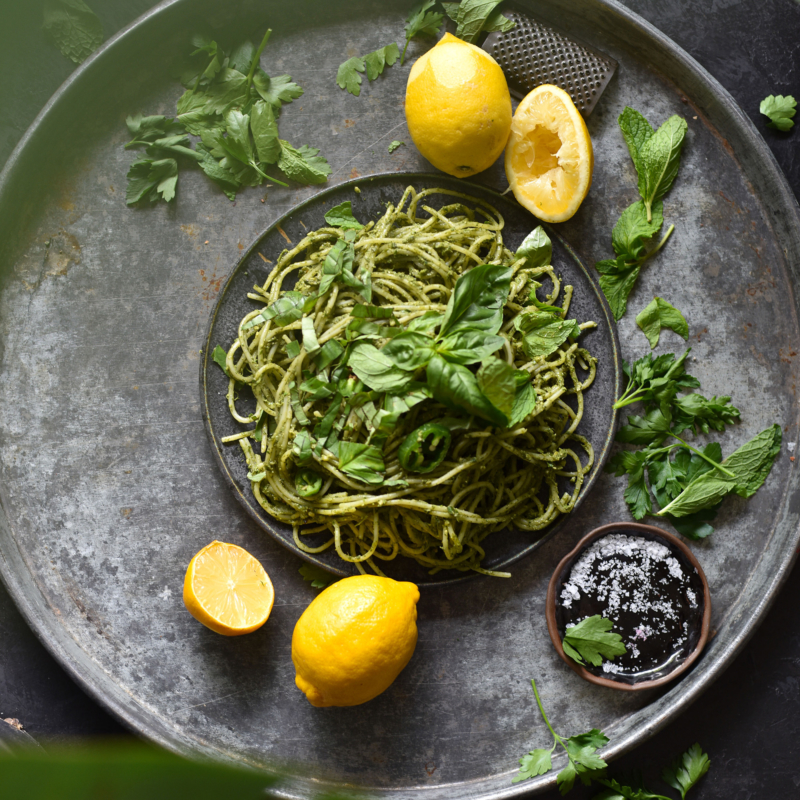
pixel 286 309
pixel 276 91
pixel 477 300
pixel 422 22
pixel 338 260
pixel 310 341
pixel 497 381
pixel 307 482
pixel 636 131
pixel 591 640
pixel 661 314
pixel 524 399
pixel 328 353
pixel 780 110
pixel 409 350
pixel 457 388
pixel 362 461
pixel 366 329
pixel 616 287
pixel 395 405
pixel 371 312
pixel 341 216
pixel 74 28
pixel 220 357
pixel 536 248
pixel 317 389
pixel 659 161
pixel 376 369
pixel 301 447
pixel 265 132
pixel 303 164
pixel 633 230
pixel 543 332
pixel 427 323
pixel 322 430
pixel 469 346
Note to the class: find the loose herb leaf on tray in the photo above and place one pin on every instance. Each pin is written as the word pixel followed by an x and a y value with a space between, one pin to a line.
pixel 687 769
pixel 661 314
pixel 656 157
pixel 780 110
pixel 348 76
pixel 591 640
pixel 74 28
pixel 316 576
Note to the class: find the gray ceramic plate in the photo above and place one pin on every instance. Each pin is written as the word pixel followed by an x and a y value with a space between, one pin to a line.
pixel 108 484
pixel 599 420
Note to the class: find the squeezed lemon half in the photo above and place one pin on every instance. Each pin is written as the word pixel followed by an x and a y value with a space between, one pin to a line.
pixel 228 590
pixel 549 156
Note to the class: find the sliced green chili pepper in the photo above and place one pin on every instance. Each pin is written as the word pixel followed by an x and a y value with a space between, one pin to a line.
pixel 425 448
pixel 307 482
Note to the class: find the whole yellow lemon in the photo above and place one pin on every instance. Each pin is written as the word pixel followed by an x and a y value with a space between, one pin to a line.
pixel 354 640
pixel 458 108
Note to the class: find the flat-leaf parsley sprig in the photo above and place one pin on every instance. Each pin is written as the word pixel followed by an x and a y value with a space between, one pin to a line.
pixel 584 763
pixel 591 640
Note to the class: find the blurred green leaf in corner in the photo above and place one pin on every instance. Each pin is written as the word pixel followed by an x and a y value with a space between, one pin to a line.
pixel 74 28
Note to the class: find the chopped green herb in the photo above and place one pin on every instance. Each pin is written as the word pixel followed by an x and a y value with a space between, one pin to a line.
pixel 394 145
pixel 220 358
pixel 341 216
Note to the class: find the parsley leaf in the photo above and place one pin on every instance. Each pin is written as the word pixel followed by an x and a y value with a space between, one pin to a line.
pixel 276 91
pixel 74 28
pixel 316 576
pixel 148 180
pixel 661 314
pixel 590 640
pixel 687 769
pixel 780 110
pixel 421 22
pixel 348 76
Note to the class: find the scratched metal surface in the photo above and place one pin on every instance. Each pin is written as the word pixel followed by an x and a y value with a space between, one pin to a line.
pixel 108 485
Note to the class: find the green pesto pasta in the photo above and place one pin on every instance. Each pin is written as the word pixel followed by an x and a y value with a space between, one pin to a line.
pixel 322 446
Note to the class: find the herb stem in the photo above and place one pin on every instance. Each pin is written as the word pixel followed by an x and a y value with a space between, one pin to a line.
pixel 544 716
pixel 254 165
pixel 255 61
pixel 705 457
pixel 660 244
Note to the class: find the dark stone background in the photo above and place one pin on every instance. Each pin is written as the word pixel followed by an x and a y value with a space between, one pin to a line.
pixel 749 720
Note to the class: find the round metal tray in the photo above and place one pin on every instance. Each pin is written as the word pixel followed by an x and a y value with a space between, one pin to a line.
pixel 108 485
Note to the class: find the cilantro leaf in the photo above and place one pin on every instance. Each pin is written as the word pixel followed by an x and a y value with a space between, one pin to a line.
pixel 421 22
pixel 394 145
pixel 590 640
pixel 537 762
pixel 341 216
pixel 220 358
pixel 276 91
pixel 74 28
pixel 687 769
pixel 303 164
pixel 316 576
pixel 661 314
pixel 780 110
pixel 347 76
pixel 148 180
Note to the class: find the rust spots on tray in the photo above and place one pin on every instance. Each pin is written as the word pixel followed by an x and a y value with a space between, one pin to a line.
pixel 762 287
pixel 354 173
pixel 430 768
pixel 212 285
pixel 348 123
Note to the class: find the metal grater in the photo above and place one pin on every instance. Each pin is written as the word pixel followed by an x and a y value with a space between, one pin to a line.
pixel 533 53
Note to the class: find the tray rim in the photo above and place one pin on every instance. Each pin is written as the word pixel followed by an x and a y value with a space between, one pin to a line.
pixel 601 456
pixel 783 212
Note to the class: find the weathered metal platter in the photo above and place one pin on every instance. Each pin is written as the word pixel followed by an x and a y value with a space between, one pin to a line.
pixel 598 423
pixel 108 485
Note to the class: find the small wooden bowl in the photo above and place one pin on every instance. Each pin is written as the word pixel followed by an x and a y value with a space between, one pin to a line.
pixel 564 568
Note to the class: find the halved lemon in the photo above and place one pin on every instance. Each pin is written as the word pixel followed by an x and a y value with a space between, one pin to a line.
pixel 228 590
pixel 549 157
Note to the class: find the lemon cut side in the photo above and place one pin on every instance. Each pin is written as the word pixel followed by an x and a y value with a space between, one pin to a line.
pixel 228 590
pixel 549 157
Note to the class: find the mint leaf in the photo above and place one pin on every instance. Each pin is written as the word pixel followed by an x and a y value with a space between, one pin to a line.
pixel 341 216
pixel 687 769
pixel 469 346
pixel 536 249
pixel 421 22
pixel 636 131
pixel 74 28
pixel 617 287
pixel 303 164
pixel 543 332
pixel 659 161
pixel 316 576
pixel 376 369
pixel 633 230
pixel 590 640
pixel 472 18
pixel 780 110
pixel 661 314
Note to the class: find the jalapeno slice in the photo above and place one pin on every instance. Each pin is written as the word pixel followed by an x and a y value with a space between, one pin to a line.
pixel 425 448
pixel 307 482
